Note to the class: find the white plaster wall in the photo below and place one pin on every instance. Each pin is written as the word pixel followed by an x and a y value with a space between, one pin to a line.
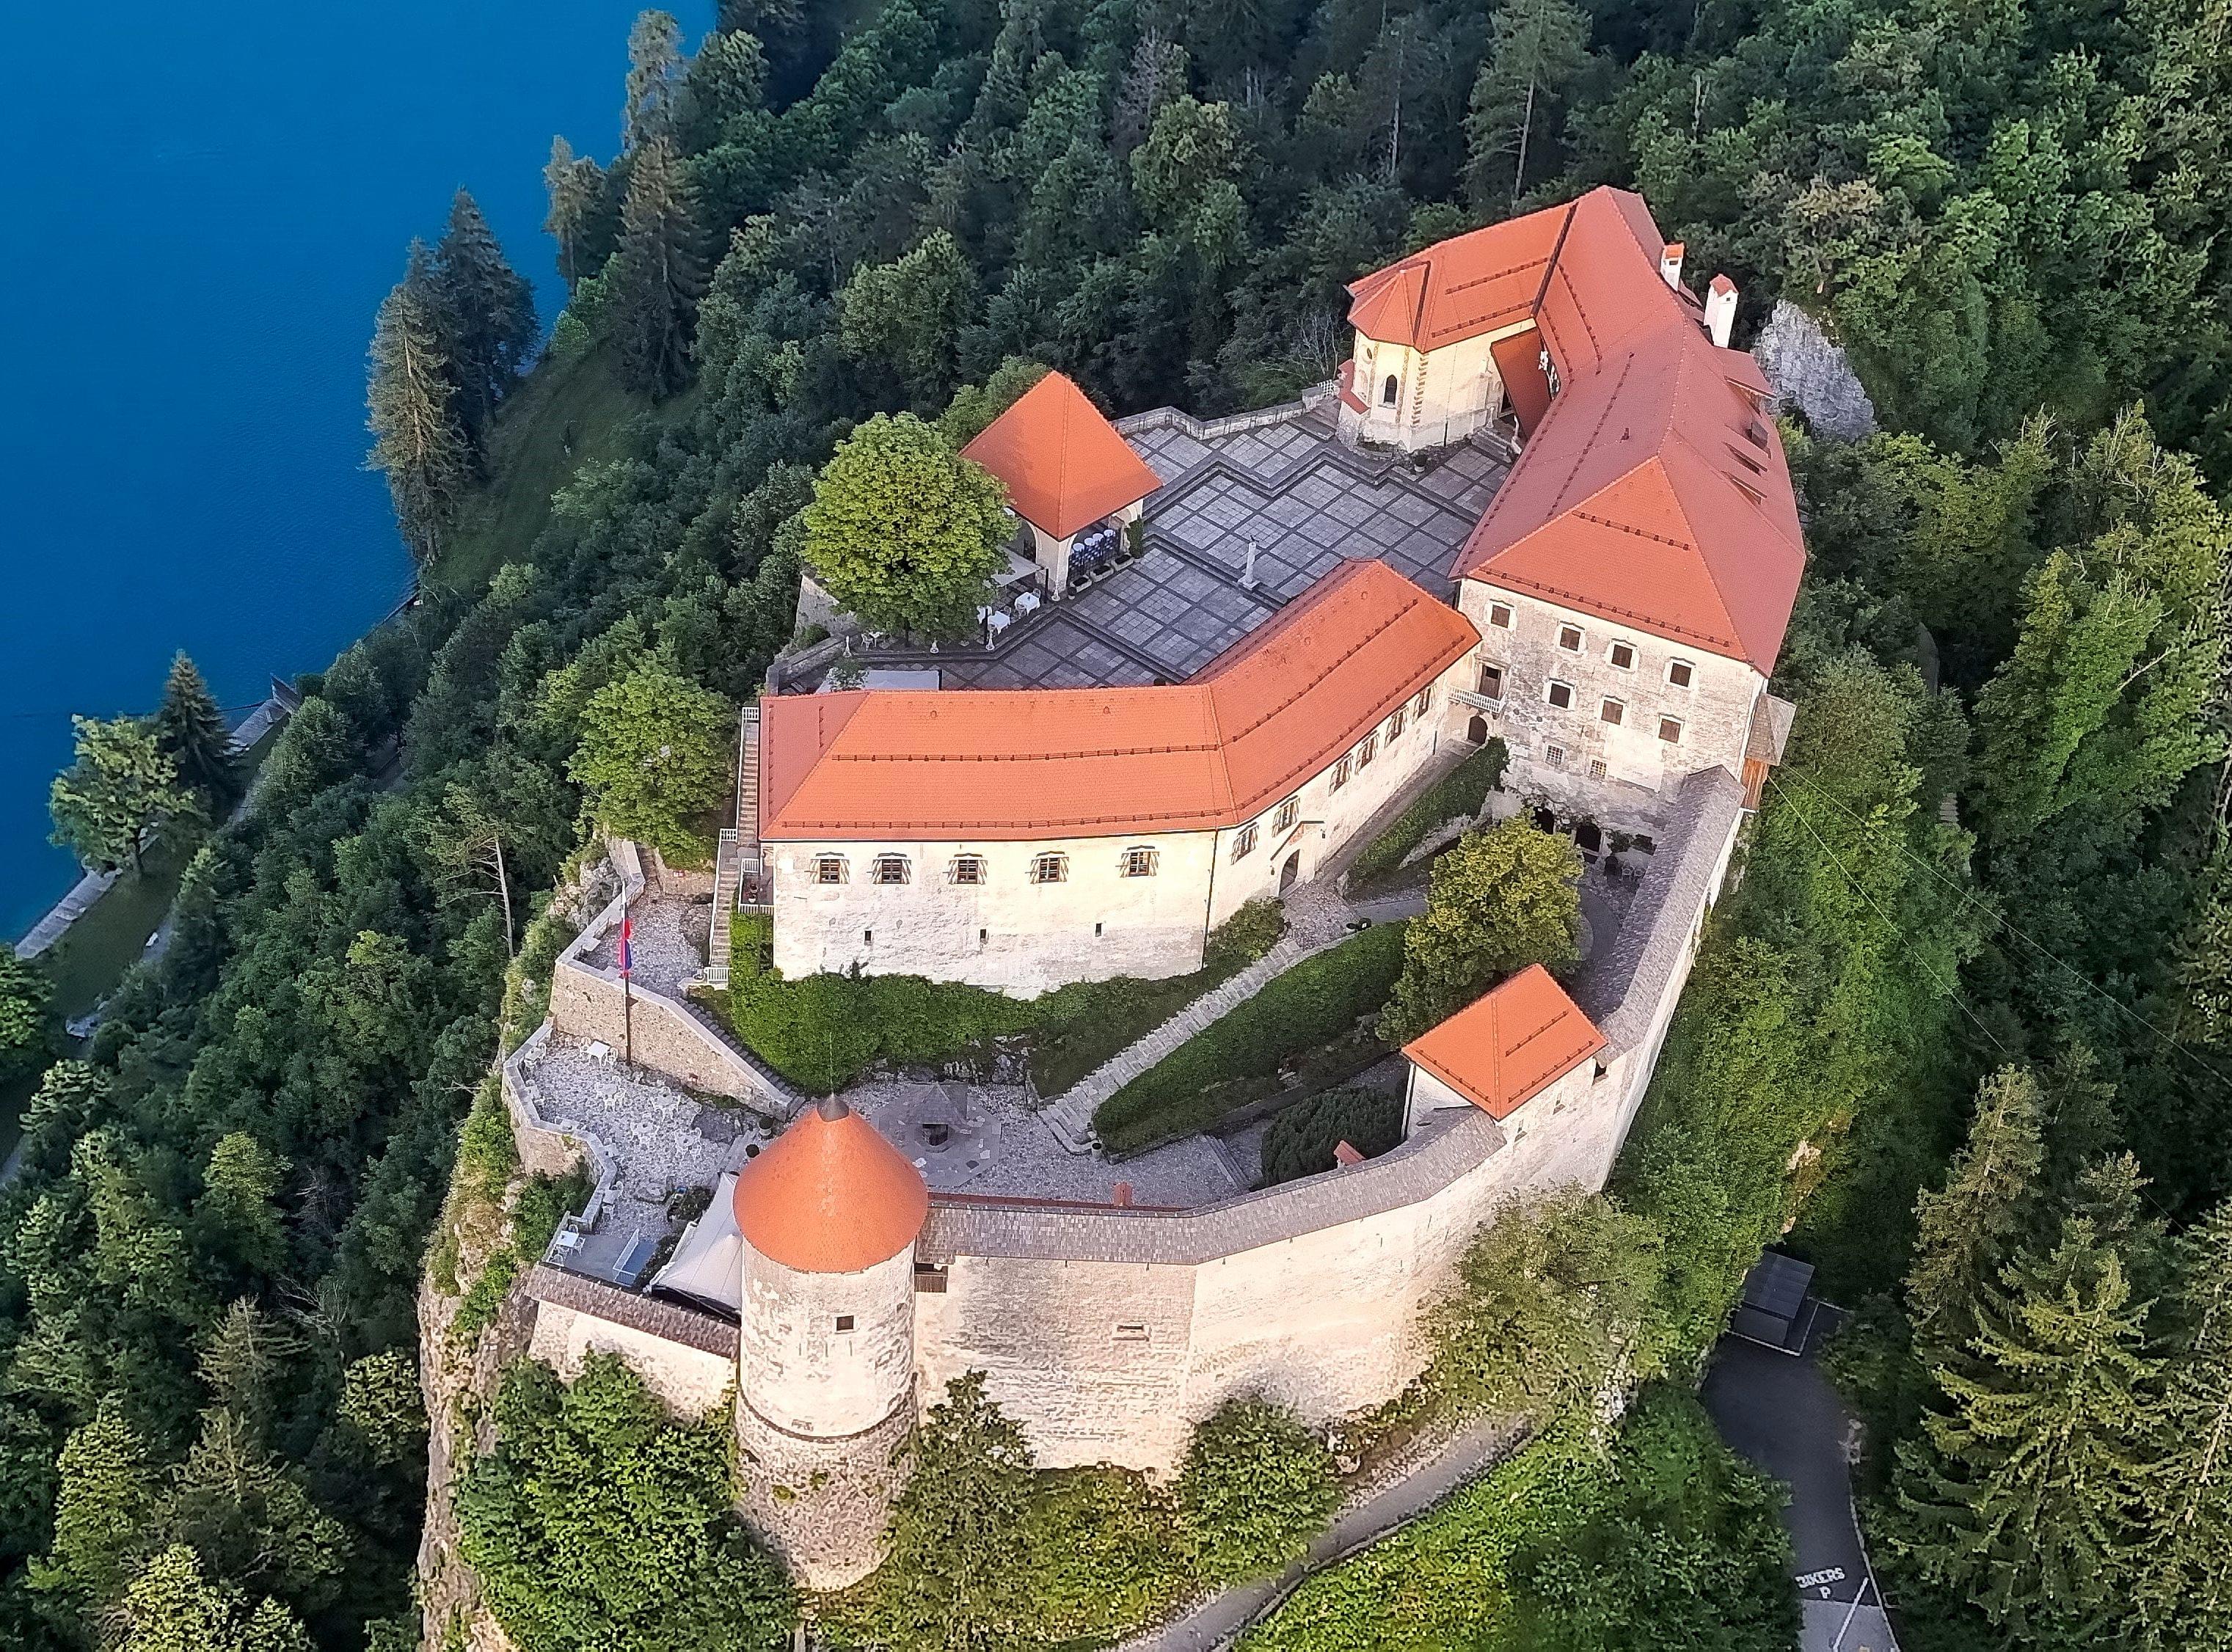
pixel 1442 396
pixel 1090 1357
pixel 1007 933
pixel 802 1374
pixel 689 1380
pixel 1715 709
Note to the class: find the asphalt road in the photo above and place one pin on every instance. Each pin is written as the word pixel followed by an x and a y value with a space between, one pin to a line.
pixel 1781 1415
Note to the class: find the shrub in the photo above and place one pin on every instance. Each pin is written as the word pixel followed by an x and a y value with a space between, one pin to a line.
pixel 598 1522
pixel 1461 792
pixel 1316 1003
pixel 1256 1487
pixel 1302 1138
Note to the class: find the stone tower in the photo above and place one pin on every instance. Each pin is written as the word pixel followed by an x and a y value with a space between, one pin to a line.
pixel 829 1214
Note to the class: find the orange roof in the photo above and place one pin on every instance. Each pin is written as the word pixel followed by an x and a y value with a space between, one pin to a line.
pixel 830 1196
pixel 1509 1046
pixel 1065 465
pixel 1654 492
pixel 1253 724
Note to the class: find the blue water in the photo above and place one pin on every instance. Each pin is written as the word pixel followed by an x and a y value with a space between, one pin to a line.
pixel 202 208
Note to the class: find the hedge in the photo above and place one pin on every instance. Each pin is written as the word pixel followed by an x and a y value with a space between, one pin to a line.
pixel 1318 1003
pixel 1302 1138
pixel 1463 790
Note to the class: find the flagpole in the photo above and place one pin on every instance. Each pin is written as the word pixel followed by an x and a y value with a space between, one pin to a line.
pixel 627 984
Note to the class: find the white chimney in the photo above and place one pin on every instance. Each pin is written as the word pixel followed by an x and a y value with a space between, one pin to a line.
pixel 1721 310
pixel 1669 264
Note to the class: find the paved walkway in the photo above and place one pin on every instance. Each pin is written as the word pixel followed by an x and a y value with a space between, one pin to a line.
pixel 1220 1621
pixel 1317 918
pixel 1780 1414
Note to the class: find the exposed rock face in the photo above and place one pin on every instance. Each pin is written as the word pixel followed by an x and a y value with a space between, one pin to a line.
pixel 1813 374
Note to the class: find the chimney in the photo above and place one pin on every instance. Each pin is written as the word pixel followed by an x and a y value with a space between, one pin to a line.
pixel 1121 1195
pixel 1669 264
pixel 1344 1155
pixel 1721 310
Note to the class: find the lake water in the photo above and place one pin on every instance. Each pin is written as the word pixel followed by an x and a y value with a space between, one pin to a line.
pixel 203 207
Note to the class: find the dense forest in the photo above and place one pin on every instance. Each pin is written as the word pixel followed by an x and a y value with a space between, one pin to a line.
pixel 1968 1021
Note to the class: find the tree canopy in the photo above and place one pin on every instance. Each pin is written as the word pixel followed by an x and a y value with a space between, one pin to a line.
pixel 123 788
pixel 655 757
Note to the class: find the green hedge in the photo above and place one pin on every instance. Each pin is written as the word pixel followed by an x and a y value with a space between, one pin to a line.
pixel 1302 1138
pixel 1463 790
pixel 1316 1004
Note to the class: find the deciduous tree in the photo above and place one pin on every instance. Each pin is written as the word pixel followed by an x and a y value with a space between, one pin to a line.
pixel 1500 900
pixel 909 313
pixel 904 533
pixel 1256 1487
pixel 25 994
pixel 655 755
pixel 123 789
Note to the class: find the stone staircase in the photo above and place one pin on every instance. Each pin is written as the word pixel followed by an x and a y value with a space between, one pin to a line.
pixel 736 865
pixel 1316 918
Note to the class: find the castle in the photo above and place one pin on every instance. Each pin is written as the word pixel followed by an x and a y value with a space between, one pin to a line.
pixel 1225 654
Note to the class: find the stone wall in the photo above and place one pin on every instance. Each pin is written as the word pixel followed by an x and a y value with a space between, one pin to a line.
pixel 1640 768
pixel 820 1504
pixel 690 1382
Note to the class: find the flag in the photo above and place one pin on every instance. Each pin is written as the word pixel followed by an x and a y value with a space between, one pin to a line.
pixel 627 947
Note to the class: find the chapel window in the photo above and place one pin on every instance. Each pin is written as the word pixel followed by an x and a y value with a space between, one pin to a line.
pixel 1387 391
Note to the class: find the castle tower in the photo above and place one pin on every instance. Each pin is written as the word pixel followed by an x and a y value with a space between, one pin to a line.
pixel 830 1214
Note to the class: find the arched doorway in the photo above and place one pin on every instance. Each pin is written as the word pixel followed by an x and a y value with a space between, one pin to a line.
pixel 1476 731
pixel 1587 836
pixel 1290 872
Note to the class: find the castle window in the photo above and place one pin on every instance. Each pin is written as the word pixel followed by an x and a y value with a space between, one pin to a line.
pixel 1560 694
pixel 1049 869
pixel 1612 711
pixel 1131 1333
pixel 828 869
pixel 1622 656
pixel 1570 638
pixel 1680 673
pixel 1395 726
pixel 966 869
pixel 1139 862
pixel 1367 749
pixel 1341 773
pixel 1554 757
pixel 1289 811
pixel 1243 843
pixel 1499 613
pixel 1670 730
pixel 844 1322
pixel 867 937
pixel 891 869
pixel 1419 706
pixel 1596 768
pixel 1387 391
pixel 1491 681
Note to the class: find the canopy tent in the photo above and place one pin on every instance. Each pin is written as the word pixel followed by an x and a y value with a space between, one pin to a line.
pixel 708 1262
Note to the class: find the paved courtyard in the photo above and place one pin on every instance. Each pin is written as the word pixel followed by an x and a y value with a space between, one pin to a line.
pixel 1305 503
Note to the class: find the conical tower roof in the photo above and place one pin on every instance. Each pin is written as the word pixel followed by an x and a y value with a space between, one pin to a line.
pixel 830 1196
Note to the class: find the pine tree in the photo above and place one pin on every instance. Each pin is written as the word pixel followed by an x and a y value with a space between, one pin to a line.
pixel 579 218
pixel 654 75
pixel 1538 51
pixel 487 315
pixel 2187 1596
pixel 661 271
pixel 108 1485
pixel 191 731
pixel 1962 1230
pixel 416 440
pixel 2027 1492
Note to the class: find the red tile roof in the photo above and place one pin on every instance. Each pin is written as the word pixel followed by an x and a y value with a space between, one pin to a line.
pixel 1653 492
pixel 1509 1046
pixel 994 764
pixel 830 1196
pixel 1065 465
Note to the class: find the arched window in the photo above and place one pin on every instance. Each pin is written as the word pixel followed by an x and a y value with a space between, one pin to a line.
pixel 1387 391
pixel 891 869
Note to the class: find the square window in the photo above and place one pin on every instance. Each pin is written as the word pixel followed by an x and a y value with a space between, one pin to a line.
pixel 891 869
pixel 1499 613
pixel 1138 863
pixel 1678 672
pixel 1623 655
pixel 1670 730
pixel 1341 773
pixel 1419 706
pixel 1049 869
pixel 1289 811
pixel 1367 749
pixel 1554 755
pixel 1596 768
pixel 1395 727
pixel 844 1322
pixel 829 869
pixel 968 869
pixel 1243 844
pixel 1491 681
pixel 1570 638
pixel 1612 711
pixel 1560 694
